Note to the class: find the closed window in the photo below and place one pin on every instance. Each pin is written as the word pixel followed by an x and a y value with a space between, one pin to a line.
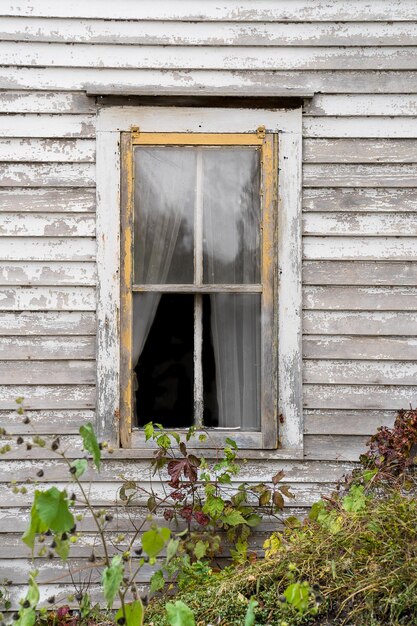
pixel 198 283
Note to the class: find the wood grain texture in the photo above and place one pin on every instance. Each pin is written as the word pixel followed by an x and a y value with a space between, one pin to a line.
pixel 35 125
pixel 47 323
pixel 48 249
pixel 378 127
pixel 351 105
pixel 53 372
pixel 359 199
pixel 346 421
pixel 360 248
pixel 347 371
pixel 47 273
pixel 357 347
pixel 48 298
pixel 360 298
pixel 349 175
pixel 49 199
pixel 229 10
pixel 48 150
pixel 47 175
pixel 334 447
pixel 41 102
pixel 30 54
pixel 359 396
pixel 359 150
pixel 46 225
pixel 360 224
pixel 46 422
pixel 360 273
pixel 17 348
pixel 197 82
pixel 48 396
pixel 359 323
pixel 146 32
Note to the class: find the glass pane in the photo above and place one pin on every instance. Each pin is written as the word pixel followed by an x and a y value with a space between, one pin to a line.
pixel 232 360
pixel 164 199
pixel 163 359
pixel 232 215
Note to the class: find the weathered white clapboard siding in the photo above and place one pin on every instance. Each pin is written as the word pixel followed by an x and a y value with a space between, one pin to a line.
pixel 48 248
pixel 358 298
pixel 46 225
pixel 360 248
pixel 46 422
pixel 369 273
pixel 48 150
pixel 142 33
pixel 47 273
pixel 47 175
pixel 359 347
pixel 49 199
pixel 46 347
pixel 359 150
pixel 47 323
pixel 228 10
pixel 359 322
pixel 48 298
pixel 29 54
pixel 359 199
pixel 39 125
pixel 44 102
pixel 359 221
pixel 346 421
pixel 48 396
pixel 221 83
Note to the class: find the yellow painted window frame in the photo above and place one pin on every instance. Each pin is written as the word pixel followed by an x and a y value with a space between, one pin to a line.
pixel 268 142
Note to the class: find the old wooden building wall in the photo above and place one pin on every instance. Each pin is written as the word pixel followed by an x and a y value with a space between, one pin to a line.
pixel 359 210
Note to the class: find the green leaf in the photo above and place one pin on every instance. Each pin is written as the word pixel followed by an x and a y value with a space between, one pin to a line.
pixel 154 540
pixel 253 520
pixel 179 614
pixel 90 443
pixel 35 525
pixel 213 506
pixel 234 518
pixel 62 547
pixel 200 550
pixel 111 579
pixel 149 431
pixel 297 594
pixel 265 497
pixel 355 500
pixel 232 443
pixel 157 581
pixel 172 549
pixel 33 592
pixel 27 616
pixel 52 509
pixel 127 490
pixel 250 613
pixel 80 467
pixel 133 613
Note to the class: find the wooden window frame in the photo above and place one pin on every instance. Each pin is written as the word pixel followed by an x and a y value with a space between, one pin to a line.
pixel 267 437
pixel 114 142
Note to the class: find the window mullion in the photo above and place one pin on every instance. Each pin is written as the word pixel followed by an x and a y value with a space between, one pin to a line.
pixel 198 301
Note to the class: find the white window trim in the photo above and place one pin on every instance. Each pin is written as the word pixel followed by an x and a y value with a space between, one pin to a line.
pixel 287 123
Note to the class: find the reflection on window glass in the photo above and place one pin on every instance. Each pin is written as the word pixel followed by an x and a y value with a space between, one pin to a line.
pixel 164 215
pixel 232 215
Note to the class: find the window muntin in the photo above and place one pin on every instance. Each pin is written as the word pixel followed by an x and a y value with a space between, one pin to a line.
pixel 196 206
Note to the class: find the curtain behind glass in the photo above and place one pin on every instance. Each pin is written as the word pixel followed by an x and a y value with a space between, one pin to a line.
pixel 163 228
pixel 232 217
pixel 236 337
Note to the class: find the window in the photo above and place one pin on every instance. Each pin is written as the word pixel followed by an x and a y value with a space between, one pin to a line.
pixel 198 322
pixel 207 328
